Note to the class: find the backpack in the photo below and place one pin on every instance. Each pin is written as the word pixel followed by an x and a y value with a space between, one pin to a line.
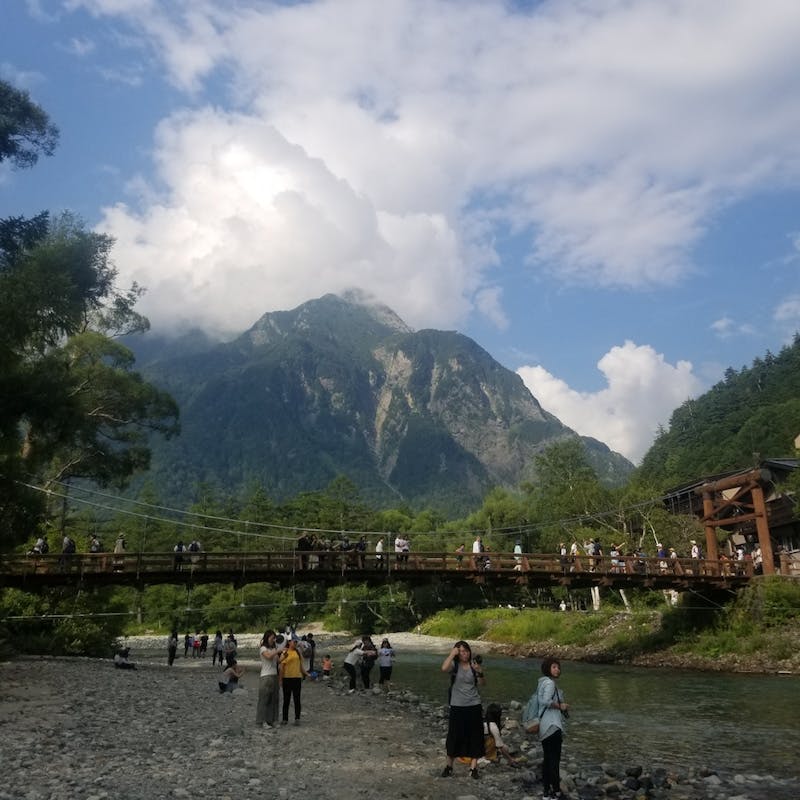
pixel 530 714
pixel 45 547
pixel 70 546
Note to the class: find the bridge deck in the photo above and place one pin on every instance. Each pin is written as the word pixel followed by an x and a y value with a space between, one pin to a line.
pixel 331 568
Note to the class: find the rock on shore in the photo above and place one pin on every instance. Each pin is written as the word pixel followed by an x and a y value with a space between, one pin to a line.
pixel 78 729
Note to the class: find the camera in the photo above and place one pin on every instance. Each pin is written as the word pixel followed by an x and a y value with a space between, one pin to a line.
pixel 565 714
pixel 479 659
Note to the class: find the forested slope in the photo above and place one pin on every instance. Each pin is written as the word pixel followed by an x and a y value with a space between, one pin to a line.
pixel 749 415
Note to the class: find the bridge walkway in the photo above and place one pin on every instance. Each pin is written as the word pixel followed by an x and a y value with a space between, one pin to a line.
pixel 33 571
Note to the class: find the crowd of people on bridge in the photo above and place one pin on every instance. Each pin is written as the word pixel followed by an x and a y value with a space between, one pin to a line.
pixel 312 551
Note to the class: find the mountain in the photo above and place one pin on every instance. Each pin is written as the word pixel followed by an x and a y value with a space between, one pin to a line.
pixel 339 386
pixel 750 415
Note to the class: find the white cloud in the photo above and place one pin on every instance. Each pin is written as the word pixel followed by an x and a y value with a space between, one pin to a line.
pixel 282 225
pixel 723 327
pixel 80 46
pixel 787 316
pixel 726 327
pixel 609 133
pixel 641 393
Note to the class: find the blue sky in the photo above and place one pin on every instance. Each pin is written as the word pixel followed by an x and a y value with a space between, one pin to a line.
pixel 602 194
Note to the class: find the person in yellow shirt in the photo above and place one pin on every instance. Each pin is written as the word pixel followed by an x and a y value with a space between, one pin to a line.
pixel 291 678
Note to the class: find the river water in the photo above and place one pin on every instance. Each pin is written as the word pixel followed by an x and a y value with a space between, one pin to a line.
pixel 661 717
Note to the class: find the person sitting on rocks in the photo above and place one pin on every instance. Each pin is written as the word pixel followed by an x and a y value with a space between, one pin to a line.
pixel 494 744
pixel 121 659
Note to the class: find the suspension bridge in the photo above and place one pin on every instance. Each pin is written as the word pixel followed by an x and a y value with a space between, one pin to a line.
pixel 330 568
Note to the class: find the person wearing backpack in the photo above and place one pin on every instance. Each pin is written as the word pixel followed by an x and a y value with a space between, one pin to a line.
pixel 68 549
pixel 552 712
pixel 465 720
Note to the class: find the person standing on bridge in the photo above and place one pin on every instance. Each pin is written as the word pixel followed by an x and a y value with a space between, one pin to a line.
pixel 479 560
pixel 379 553
pixel 177 563
pixel 402 546
pixel 119 554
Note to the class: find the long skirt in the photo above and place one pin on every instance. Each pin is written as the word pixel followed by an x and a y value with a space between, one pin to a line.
pixel 465 732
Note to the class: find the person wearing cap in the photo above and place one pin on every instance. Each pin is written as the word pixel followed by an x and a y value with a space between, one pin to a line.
pixel 676 565
pixel 697 554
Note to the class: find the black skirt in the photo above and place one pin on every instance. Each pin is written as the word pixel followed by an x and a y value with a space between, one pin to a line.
pixel 465 732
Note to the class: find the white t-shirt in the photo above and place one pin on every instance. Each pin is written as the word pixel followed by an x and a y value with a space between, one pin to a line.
pixel 269 666
pixel 476 546
pixel 354 656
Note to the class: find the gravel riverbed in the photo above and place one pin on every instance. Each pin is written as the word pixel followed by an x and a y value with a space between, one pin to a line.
pixel 79 729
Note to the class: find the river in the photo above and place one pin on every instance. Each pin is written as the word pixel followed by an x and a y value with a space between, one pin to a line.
pixel 661 717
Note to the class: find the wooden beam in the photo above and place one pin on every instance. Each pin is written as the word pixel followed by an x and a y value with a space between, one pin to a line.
pixel 735 481
pixel 762 526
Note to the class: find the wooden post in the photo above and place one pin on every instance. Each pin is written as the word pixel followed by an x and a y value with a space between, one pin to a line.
pixel 762 526
pixel 712 551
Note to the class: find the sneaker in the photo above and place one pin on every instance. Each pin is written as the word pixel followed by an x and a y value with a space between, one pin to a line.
pixel 350 691
pixel 447 771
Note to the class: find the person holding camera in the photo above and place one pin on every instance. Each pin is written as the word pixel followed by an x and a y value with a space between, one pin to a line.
pixel 553 712
pixel 465 725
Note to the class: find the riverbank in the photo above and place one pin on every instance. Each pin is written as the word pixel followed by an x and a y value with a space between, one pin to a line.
pixel 635 639
pixel 80 729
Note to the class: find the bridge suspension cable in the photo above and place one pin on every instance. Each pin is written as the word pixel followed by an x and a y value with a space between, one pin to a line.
pixel 511 530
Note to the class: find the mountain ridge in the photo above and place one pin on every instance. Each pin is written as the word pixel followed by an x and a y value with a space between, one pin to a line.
pixel 341 386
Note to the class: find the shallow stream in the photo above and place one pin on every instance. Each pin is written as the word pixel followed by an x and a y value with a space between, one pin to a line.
pixel 661 717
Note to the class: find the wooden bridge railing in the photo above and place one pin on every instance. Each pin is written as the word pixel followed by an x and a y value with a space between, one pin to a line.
pixel 144 568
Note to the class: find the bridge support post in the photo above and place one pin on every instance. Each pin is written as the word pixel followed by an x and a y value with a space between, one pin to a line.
pixel 762 526
pixel 712 550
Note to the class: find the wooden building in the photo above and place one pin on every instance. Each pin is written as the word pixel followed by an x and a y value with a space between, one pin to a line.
pixel 746 508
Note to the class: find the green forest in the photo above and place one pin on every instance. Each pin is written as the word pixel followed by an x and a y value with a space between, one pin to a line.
pixel 76 420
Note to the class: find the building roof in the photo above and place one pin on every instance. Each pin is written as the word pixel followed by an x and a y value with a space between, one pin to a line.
pixel 781 466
